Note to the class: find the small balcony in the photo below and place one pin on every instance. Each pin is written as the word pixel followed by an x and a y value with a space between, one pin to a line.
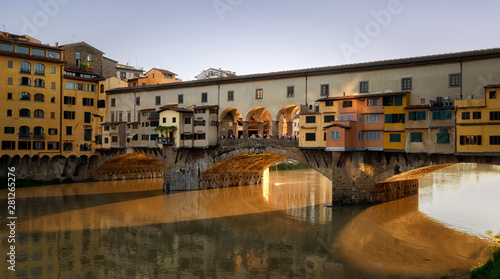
pixel 166 140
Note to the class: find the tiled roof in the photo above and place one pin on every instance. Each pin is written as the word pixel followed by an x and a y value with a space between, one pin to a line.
pixel 166 72
pixel 417 107
pixel 377 65
pixel 492 86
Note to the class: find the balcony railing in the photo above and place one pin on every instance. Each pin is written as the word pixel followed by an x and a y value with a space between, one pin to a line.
pixel 24 136
pixel 166 140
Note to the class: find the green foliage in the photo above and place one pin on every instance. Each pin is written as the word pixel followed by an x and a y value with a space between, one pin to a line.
pixel 490 269
pixel 284 166
pixel 85 66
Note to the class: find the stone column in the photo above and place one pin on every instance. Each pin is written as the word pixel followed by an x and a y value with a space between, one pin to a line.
pixel 260 128
pixel 275 129
pixel 289 128
pixel 245 129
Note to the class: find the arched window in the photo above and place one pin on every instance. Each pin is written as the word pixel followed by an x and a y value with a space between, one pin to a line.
pixel 39 69
pixel 25 81
pixel 38 113
pixel 24 132
pixel 38 133
pixel 39 82
pixel 25 96
pixel 24 113
pixel 25 67
pixel 102 88
pixel 39 97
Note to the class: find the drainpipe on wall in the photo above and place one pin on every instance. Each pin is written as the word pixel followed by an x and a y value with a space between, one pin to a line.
pixel 305 75
pixel 461 79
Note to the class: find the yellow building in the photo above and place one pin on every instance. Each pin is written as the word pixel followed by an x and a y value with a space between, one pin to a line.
pixel 312 123
pixel 478 123
pixel 394 115
pixel 81 119
pixel 31 86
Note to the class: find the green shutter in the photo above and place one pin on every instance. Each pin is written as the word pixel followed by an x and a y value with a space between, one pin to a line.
pixel 412 115
pixel 416 137
pixel 421 115
pixel 395 137
pixel 388 118
pixel 443 137
pixel 398 100
pixel 447 114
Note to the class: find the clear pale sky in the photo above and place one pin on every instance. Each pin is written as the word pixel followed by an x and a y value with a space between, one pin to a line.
pixel 257 36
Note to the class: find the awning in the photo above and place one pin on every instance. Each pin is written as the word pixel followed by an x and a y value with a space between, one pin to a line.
pixel 131 135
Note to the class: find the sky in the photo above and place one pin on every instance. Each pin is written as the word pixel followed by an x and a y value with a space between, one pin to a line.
pixel 257 36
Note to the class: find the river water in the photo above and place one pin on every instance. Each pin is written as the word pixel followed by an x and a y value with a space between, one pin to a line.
pixel 279 229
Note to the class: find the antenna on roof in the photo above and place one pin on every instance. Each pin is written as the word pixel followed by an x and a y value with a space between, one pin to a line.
pixel 73 38
pixel 4 30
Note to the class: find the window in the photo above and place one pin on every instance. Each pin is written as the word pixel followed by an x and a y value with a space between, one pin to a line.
pixel 454 80
pixel 493 94
pixel 363 87
pixel 5 47
pixel 470 140
pixel 23 50
pixel 372 136
pixel 360 119
pixel 38 52
pixel 494 140
pixel 25 81
pixel 25 96
pixel 372 118
pixel 39 83
pixel 325 90
pixel 88 102
pixel 230 95
pixel 70 85
pixel 53 85
pixel 187 120
pixel 349 117
pixel 9 112
pixel 102 88
pixel 52 131
pixel 87 117
pixel 347 104
pixel 38 133
pixel 38 113
pixel 129 117
pixel 204 97
pixel 69 115
pixel 120 116
pixel 180 98
pixel 9 80
pixel 443 137
pixel 24 132
pixel 8 130
pixel 329 104
pixel 137 101
pixel 476 115
pixel 200 136
pixel 416 137
pixel 494 115
pixel 52 145
pixel 77 55
pixel 398 100
pixel 52 115
pixel 39 97
pixel 10 64
pixel 342 117
pixel 25 67
pixel 406 84
pixel 115 138
pixel 387 101
pixel 310 119
pixel 69 100
pixel 8 145
pixel 329 118
pixel 80 87
pixel 53 70
pixel 87 135
pixel 394 118
pixel 157 100
pixel 259 94
pixel 23 145
pixel 394 137
pixel 69 130
pixel 360 136
pixel 106 128
pixel 113 102
pixel 465 115
pixel 39 69
pixel 416 115
pixel 290 91
pixel 373 102
pixel 53 54
pixel 9 96
pixel 90 87
pixel 442 115
pixel 199 123
pixel 310 136
pixel 335 135
pixel 90 57
pixel 174 119
pixel 24 113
